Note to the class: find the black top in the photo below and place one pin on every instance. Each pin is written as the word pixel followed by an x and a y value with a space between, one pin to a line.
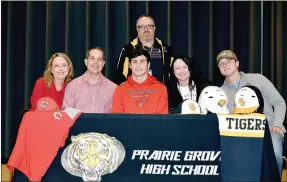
pixel 174 96
pixel 156 63
pixel 160 63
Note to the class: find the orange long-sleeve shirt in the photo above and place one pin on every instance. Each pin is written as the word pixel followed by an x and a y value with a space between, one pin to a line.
pixel 149 97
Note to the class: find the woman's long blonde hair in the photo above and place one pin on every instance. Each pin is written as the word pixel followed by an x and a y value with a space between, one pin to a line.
pixel 48 75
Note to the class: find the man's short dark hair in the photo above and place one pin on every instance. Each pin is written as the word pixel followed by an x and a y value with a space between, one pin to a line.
pixel 98 48
pixel 138 51
pixel 146 16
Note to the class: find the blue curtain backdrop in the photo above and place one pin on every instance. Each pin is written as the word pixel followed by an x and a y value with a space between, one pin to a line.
pixel 32 31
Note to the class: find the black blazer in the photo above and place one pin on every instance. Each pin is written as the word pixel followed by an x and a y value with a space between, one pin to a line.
pixel 174 97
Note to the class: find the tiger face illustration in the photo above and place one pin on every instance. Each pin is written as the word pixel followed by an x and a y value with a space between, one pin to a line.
pixel 92 155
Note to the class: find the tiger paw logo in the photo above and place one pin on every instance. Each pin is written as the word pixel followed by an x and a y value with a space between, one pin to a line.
pixel 92 155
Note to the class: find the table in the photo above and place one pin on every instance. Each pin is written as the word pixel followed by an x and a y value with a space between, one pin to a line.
pixel 188 134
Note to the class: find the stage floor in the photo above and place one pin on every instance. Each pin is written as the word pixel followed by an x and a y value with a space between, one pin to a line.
pixel 6 174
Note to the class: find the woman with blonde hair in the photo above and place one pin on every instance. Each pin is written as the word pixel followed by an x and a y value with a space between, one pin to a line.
pixel 58 74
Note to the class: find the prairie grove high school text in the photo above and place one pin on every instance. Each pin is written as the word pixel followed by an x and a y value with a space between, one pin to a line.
pixel 169 169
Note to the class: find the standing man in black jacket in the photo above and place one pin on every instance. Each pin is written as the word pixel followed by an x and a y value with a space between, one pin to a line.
pixel 160 53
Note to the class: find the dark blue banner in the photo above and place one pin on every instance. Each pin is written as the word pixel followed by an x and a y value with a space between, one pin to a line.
pixel 158 148
pixel 166 148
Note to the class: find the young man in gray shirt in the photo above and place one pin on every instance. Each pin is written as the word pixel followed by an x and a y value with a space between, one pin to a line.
pixel 228 65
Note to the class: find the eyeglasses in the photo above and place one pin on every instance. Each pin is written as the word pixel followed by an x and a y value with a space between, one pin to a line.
pixel 142 27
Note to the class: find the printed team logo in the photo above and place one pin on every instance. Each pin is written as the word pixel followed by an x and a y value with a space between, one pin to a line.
pixel 192 107
pixel 92 155
pixel 188 107
pixel 47 104
pixel 241 101
pixel 223 54
pixel 221 102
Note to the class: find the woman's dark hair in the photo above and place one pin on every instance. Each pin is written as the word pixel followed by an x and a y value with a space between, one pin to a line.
pixel 138 51
pixel 195 72
pixel 259 96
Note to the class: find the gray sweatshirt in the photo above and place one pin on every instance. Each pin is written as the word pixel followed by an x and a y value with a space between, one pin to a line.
pixel 272 98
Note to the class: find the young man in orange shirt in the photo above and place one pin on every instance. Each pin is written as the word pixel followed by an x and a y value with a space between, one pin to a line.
pixel 141 93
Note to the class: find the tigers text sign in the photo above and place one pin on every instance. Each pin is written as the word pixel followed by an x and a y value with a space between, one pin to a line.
pixel 243 125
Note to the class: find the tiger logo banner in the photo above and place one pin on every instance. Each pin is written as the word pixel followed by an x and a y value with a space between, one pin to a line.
pixel 92 155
